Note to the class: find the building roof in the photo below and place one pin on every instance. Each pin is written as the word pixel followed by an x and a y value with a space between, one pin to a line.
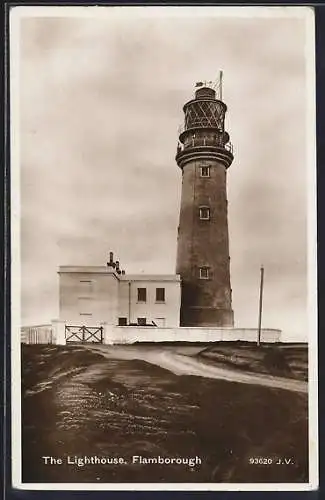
pixel 122 277
pixel 86 269
pixel 149 277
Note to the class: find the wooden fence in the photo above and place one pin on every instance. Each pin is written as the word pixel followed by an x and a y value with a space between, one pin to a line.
pixel 37 334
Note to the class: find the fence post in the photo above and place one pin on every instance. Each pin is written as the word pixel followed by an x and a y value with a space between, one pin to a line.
pixel 105 332
pixel 58 332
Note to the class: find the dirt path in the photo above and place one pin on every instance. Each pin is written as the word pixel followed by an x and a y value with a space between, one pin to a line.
pixel 181 364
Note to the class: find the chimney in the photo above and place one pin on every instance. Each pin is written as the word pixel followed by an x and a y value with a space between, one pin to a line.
pixel 118 270
pixel 111 262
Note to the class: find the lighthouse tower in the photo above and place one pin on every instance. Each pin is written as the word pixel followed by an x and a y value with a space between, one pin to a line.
pixel 204 154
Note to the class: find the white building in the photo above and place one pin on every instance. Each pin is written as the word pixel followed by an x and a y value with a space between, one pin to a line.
pixel 101 294
pixel 103 304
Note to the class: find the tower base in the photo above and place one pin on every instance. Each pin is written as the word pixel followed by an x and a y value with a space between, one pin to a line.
pixel 207 316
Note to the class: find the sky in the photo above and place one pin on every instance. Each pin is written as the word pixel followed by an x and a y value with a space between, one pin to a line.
pixel 100 103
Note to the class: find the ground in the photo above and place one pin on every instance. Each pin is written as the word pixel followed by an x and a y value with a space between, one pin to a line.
pixel 284 360
pixel 117 402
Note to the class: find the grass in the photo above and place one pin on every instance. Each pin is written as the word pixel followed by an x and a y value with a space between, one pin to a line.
pixel 76 402
pixel 290 361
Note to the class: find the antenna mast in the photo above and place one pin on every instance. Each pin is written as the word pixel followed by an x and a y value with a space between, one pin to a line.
pixel 220 85
pixel 260 307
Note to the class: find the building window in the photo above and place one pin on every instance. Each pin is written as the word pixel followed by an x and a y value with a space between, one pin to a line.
pixel 85 306
pixel 160 295
pixel 204 171
pixel 204 213
pixel 142 294
pixel 85 288
pixel 122 322
pixel 204 273
pixel 142 321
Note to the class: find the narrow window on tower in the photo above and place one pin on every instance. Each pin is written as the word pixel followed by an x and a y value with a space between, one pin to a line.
pixel 204 273
pixel 204 171
pixel 204 213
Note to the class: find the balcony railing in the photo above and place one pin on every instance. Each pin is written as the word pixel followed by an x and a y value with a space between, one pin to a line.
pixel 198 124
pixel 195 142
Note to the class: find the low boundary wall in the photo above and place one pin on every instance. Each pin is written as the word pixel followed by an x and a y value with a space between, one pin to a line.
pixel 132 334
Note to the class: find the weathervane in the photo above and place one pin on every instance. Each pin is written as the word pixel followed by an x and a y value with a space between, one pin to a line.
pixel 215 85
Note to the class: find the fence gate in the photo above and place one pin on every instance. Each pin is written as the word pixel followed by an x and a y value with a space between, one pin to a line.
pixel 84 334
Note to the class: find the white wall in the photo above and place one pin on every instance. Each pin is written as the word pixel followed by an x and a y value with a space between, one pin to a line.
pixel 130 335
pixel 90 298
pixel 100 300
pixel 55 333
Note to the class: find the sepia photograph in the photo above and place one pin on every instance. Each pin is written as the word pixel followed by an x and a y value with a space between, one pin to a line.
pixel 163 234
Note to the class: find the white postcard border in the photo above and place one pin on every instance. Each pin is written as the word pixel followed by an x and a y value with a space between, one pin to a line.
pixel 16 13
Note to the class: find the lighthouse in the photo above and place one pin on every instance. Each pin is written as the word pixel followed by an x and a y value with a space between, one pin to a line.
pixel 204 153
